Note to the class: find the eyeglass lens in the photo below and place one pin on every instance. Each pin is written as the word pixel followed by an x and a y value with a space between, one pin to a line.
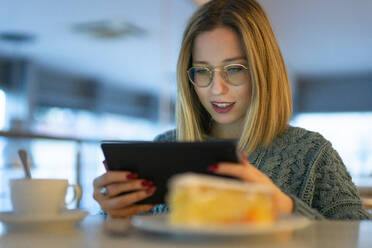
pixel 233 74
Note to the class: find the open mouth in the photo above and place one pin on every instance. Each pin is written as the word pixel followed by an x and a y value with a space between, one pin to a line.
pixel 222 107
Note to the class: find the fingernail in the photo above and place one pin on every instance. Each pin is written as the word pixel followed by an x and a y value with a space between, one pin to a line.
pixel 243 156
pixel 151 190
pixel 213 167
pixel 147 183
pixel 132 176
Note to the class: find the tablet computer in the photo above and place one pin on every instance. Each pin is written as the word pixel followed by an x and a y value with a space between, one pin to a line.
pixel 158 161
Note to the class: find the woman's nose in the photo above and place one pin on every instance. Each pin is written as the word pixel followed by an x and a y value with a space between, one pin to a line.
pixel 219 85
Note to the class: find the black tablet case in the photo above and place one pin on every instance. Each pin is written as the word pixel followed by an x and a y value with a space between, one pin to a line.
pixel 158 161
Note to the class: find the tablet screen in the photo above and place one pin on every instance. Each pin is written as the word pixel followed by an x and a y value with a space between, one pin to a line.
pixel 158 161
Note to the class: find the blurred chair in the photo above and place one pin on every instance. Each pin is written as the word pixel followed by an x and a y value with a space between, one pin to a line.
pixel 366 196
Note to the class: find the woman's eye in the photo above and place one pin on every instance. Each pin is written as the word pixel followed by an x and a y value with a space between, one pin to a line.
pixel 201 71
pixel 234 69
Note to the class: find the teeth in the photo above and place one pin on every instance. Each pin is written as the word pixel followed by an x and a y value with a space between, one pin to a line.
pixel 222 105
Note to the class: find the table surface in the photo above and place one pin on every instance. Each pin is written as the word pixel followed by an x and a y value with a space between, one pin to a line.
pixel 92 232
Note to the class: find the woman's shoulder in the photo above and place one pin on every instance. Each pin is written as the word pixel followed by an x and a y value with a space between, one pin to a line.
pixel 292 159
pixel 299 143
pixel 169 135
pixel 299 137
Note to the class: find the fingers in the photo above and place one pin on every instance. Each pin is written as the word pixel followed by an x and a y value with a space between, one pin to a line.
pixel 129 211
pixel 118 188
pixel 245 171
pixel 242 171
pixel 118 182
pixel 126 200
pixel 113 177
pixel 243 158
pixel 233 170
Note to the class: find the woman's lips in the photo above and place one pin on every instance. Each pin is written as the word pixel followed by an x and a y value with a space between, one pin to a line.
pixel 222 107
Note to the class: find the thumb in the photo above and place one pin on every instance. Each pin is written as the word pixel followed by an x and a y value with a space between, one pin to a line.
pixel 243 158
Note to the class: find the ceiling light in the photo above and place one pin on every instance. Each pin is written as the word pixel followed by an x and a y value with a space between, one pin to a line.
pixel 109 29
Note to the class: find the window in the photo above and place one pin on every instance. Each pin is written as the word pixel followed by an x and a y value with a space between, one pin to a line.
pixel 350 134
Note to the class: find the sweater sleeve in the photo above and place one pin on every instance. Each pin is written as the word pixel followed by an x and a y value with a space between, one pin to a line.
pixel 333 194
pixel 301 208
pixel 168 136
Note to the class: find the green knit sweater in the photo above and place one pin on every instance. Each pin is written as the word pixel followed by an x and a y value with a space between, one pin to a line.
pixel 305 166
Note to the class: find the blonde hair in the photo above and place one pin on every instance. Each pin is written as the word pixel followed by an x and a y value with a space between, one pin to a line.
pixel 271 101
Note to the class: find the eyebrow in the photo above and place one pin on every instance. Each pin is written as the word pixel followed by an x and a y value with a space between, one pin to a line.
pixel 226 60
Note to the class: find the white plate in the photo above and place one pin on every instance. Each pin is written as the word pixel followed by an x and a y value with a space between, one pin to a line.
pixel 67 217
pixel 160 224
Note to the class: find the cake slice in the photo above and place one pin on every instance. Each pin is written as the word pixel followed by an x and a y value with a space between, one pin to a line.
pixel 196 199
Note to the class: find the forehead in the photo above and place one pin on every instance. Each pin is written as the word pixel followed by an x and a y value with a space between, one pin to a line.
pixel 217 45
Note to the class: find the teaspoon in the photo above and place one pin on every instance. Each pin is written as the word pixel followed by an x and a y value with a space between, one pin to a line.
pixel 24 159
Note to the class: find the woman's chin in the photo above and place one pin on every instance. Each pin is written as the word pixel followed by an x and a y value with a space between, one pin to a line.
pixel 225 120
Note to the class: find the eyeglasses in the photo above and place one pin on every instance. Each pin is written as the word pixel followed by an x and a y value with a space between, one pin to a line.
pixel 234 74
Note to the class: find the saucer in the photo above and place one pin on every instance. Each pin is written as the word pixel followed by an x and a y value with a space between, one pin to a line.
pixel 16 220
pixel 160 224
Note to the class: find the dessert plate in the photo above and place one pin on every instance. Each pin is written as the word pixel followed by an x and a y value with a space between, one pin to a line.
pixel 67 217
pixel 159 224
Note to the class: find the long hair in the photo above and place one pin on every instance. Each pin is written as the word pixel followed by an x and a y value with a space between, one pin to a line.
pixel 271 101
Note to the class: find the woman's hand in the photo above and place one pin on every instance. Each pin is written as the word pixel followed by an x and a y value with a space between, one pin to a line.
pixel 249 173
pixel 114 202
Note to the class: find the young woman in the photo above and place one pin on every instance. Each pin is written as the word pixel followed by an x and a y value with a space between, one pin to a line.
pixel 233 84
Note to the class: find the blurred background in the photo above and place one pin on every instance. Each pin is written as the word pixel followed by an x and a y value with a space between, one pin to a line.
pixel 75 72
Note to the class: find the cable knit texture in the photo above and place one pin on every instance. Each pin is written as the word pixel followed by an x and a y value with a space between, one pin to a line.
pixel 304 165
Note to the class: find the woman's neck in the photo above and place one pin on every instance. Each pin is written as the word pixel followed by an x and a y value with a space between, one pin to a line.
pixel 227 131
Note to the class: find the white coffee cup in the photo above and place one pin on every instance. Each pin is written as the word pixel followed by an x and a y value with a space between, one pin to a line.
pixel 46 197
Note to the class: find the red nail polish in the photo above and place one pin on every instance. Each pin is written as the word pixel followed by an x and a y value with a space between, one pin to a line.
pixel 132 176
pixel 150 190
pixel 213 167
pixel 147 183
